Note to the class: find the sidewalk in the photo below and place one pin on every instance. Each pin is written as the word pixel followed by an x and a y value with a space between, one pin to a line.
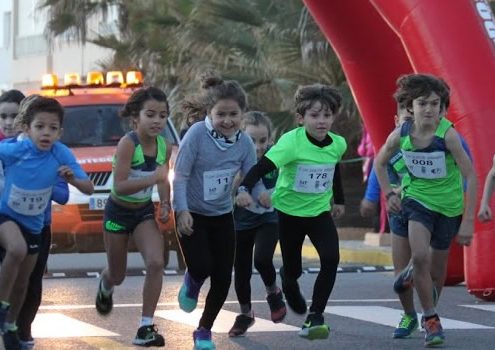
pixel 353 251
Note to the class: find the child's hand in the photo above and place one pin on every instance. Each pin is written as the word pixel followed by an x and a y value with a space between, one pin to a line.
pixel 367 208
pixel 338 210
pixel 66 173
pixel 164 215
pixel 394 203
pixel 160 174
pixel 485 213
pixel 243 199
pixel 465 235
pixel 184 223
pixel 265 199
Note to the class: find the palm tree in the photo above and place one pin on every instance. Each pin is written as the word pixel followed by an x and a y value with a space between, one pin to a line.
pixel 270 46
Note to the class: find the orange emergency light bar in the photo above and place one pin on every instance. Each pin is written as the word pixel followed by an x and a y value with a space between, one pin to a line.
pixel 49 81
pixel 94 78
pixel 115 77
pixel 72 79
pixel 134 77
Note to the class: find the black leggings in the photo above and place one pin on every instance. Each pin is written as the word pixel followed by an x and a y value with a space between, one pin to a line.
pixel 323 234
pixel 33 295
pixel 264 240
pixel 209 252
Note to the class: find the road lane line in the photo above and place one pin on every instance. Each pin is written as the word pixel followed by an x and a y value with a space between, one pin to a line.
pixel 390 317
pixel 223 322
pixel 490 308
pixel 56 325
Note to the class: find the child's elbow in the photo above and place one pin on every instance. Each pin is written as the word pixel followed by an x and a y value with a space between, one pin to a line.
pixel 87 187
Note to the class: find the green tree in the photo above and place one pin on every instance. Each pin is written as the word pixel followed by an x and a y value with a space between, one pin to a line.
pixel 270 46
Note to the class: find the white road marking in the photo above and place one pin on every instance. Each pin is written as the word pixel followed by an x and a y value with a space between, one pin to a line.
pixel 484 307
pixel 55 325
pixel 390 317
pixel 224 321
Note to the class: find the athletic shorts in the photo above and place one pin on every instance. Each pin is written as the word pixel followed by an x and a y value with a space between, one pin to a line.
pixel 33 240
pixel 443 228
pixel 119 219
pixel 397 224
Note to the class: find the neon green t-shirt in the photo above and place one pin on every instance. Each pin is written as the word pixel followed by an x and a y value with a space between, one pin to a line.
pixel 304 184
pixel 434 179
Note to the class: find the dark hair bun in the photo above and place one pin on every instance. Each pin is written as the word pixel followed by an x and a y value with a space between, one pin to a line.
pixel 209 80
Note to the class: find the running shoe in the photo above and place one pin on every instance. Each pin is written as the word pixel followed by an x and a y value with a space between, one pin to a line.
pixel 241 325
pixel 11 340
pixel 26 344
pixel 293 294
pixel 104 303
pixel 407 325
pixel 148 336
pixel 433 331
pixel 314 327
pixel 404 279
pixel 189 292
pixel 202 339
pixel 277 306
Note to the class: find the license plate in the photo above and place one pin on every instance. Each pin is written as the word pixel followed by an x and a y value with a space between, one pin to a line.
pixel 97 202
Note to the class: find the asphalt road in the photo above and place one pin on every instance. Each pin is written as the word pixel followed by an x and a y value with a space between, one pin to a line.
pixel 362 313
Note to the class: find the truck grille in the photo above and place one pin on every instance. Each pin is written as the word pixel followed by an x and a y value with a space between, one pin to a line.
pixel 100 178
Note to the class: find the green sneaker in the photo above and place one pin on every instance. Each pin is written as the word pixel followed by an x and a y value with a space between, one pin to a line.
pixel 314 327
pixel 407 325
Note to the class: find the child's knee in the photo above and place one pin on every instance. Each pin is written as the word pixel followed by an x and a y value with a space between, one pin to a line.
pixel 16 253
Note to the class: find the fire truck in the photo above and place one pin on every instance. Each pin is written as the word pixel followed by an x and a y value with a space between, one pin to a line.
pixel 92 128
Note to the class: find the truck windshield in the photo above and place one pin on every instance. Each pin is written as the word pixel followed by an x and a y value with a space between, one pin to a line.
pixel 93 126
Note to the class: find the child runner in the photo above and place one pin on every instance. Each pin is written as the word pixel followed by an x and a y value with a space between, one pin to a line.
pixel 210 155
pixel 32 301
pixel 432 191
pixel 32 169
pixel 401 254
pixel 257 227
pixel 140 162
pixel 9 107
pixel 306 158
pixel 485 213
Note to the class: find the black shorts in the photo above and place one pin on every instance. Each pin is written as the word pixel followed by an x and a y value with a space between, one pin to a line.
pixel 33 240
pixel 443 228
pixel 120 219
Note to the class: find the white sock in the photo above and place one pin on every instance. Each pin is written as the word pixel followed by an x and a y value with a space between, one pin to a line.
pixel 146 321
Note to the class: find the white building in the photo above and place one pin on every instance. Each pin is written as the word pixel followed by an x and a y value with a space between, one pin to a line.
pixel 24 51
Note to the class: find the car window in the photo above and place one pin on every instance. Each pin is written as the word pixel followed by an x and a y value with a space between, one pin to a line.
pixel 93 126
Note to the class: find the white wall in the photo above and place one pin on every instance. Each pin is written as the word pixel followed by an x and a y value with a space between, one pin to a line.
pixel 5 44
pixel 32 58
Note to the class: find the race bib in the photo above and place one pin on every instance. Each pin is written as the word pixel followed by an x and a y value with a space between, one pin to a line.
pixel 426 165
pixel 29 202
pixel 216 183
pixel 144 193
pixel 314 178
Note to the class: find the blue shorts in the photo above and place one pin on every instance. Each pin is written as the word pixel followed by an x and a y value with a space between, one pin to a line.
pixel 33 240
pixel 443 228
pixel 120 219
pixel 397 224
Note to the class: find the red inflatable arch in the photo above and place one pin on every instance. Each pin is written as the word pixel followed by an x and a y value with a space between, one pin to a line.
pixel 377 40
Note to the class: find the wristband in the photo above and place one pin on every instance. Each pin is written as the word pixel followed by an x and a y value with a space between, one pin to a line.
pixel 390 194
